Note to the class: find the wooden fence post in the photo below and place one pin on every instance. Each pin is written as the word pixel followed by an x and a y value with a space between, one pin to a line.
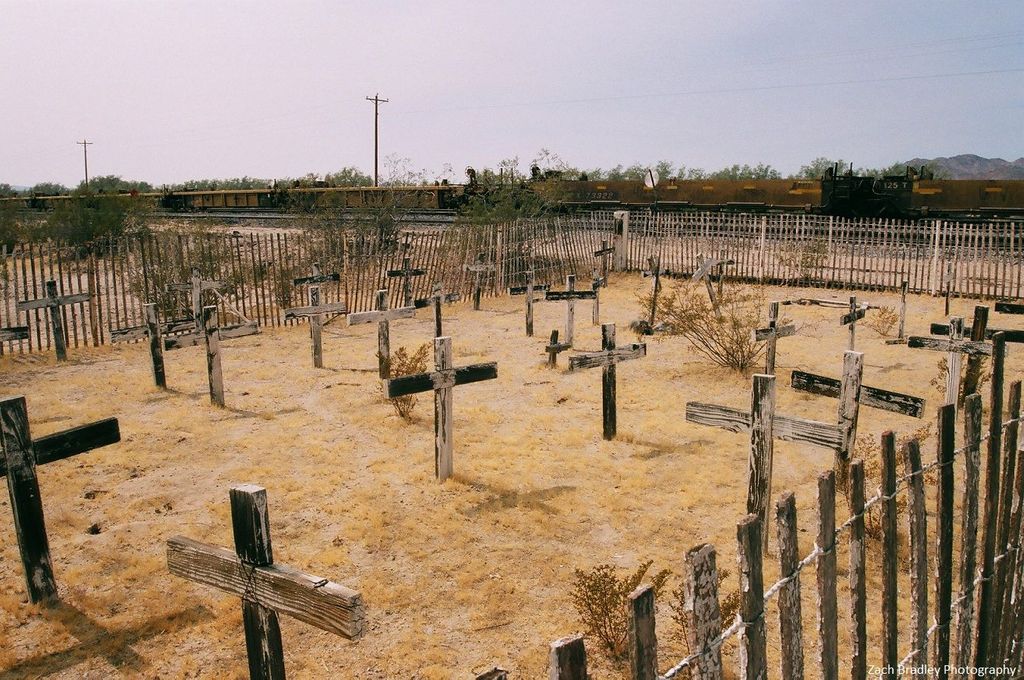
pixel 759 467
pixel 979 326
pixel 642 640
pixel 858 575
pixel 753 643
pixel 890 546
pixel 568 659
pixel 1013 593
pixel 944 541
pixel 828 612
pixel 968 531
pixel 1003 539
pixel 790 619
pixel 702 600
pixel 918 554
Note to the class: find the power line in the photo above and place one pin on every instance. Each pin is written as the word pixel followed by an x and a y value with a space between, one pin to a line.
pixel 85 150
pixel 377 101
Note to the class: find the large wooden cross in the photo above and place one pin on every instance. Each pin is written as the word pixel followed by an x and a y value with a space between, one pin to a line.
pixel 151 331
pixel 441 381
pixel 528 291
pixel 771 334
pixel 437 297
pixel 21 454
pixel 53 302
pixel 606 359
pixel 406 272
pixel 196 286
pixel 569 296
pixel 315 311
pixel 955 346
pixel 478 269
pixel 266 589
pixel 383 316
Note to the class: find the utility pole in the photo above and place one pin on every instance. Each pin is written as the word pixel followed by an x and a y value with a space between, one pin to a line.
pixel 377 101
pixel 85 150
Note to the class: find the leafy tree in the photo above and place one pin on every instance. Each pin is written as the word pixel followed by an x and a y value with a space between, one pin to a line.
pixel 87 218
pixel 112 184
pixel 7 190
pixel 49 189
pixel 759 171
pixel 348 176
pixel 816 169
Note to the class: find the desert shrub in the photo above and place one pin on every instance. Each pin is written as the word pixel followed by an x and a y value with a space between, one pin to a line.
pixel 601 598
pixel 971 379
pixel 728 604
pixel 405 363
pixel 882 320
pixel 723 334
pixel 805 258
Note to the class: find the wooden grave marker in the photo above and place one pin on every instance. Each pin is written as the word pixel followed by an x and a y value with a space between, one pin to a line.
pixel 12 334
pixel 266 589
pixel 528 292
pixel 705 267
pixel 653 270
pixel 53 303
pixel 406 273
pixel 383 316
pixel 441 381
pixel 570 295
pixel 601 278
pixel 771 334
pixel 850 319
pixel 479 268
pixel 437 297
pixel 955 346
pixel 603 253
pixel 315 311
pixel 597 283
pixel 901 337
pixel 151 331
pixel 21 455
pixel 196 286
pixel 554 348
pixel 606 359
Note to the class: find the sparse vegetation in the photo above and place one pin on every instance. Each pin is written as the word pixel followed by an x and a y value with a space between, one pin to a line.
pixel 804 259
pixel 882 320
pixel 869 450
pixel 971 378
pixel 405 363
pixel 728 604
pixel 601 596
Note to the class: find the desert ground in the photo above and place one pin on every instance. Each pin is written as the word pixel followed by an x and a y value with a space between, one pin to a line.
pixel 457 577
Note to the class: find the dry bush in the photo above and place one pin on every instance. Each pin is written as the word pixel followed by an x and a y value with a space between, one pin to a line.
pixel 971 380
pixel 725 334
pixel 804 259
pixel 883 320
pixel 869 450
pixel 601 598
pixel 729 605
pixel 404 363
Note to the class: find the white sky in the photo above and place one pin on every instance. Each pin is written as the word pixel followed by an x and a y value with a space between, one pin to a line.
pixel 169 91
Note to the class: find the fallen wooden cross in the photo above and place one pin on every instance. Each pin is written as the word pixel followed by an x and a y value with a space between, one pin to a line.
pixel 570 295
pixel 406 272
pixel 606 359
pixel 383 316
pixel 955 346
pixel 553 349
pixel 53 302
pixel 315 311
pixel 478 269
pixel 266 589
pixel 771 334
pixel 435 300
pixel 151 331
pixel 441 381
pixel 21 454
pixel 528 291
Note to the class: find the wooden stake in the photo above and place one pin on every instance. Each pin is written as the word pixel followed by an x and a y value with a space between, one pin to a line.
pixel 918 553
pixel 568 659
pixel 790 621
pixel 762 443
pixel 444 465
pixel 606 358
pixel 156 346
pixel 858 575
pixel 968 530
pixel 944 544
pixel 702 598
pixel 753 644
pixel 890 641
pixel 826 575
pixel 643 642
pixel 213 367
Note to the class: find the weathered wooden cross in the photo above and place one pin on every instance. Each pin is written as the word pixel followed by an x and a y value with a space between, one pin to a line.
pixel 406 272
pixel 705 267
pixel 479 269
pixel 570 295
pixel 196 286
pixel 266 589
pixel 850 318
pixel 771 334
pixel 435 300
pixel 901 337
pixel 955 346
pixel 53 302
pixel 603 253
pixel 601 279
pixel 528 291
pixel 315 311
pixel 554 348
pixel 607 358
pixel 441 381
pixel 383 316
pixel 597 283
pixel 653 270
pixel 152 331
pixel 21 454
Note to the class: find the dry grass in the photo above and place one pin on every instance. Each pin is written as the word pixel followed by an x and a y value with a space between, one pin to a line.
pixel 457 577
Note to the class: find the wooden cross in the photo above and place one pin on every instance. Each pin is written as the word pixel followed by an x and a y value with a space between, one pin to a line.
pixel 955 346
pixel 406 272
pixel 53 302
pixel 21 454
pixel 901 337
pixel 603 253
pixel 597 283
pixel 315 311
pixel 478 269
pixel 266 589
pixel 436 298
pixel 528 290
pixel 382 316
pixel 554 348
pixel 653 269
pixel 196 286
pixel 441 381
pixel 850 318
pixel 771 334
pixel 705 266
pixel 151 331
pixel 569 295
pixel 606 359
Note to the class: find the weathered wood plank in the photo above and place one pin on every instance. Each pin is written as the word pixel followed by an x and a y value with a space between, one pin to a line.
pixel 569 295
pixel 918 554
pixel 222 333
pixel 938 345
pixel 356 318
pixel 607 357
pixel 762 334
pixel 12 333
pixel 890 546
pixel 52 300
pixel 753 638
pixel 787 428
pixel 642 638
pixel 762 448
pixel 873 397
pixel 858 576
pixel 968 530
pixel 609 415
pixel 521 290
pixel 944 541
pixel 567 659
pixel 310 310
pixel 1004 539
pixel 826 578
pixel 316 278
pixel 213 363
pixel 128 334
pixel 424 382
pixel 1009 334
pixel 313 600
pixel 1009 308
pixel 790 618
pixel 156 346
pixel 702 599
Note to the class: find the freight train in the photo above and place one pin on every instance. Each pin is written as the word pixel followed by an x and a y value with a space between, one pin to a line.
pixel 911 195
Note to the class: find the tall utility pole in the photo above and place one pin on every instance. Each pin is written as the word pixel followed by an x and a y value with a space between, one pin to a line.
pixel 85 150
pixel 377 101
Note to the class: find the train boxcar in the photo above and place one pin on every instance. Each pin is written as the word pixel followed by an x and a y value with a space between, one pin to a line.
pixel 675 194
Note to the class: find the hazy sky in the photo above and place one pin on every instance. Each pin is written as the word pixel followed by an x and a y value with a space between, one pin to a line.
pixel 169 91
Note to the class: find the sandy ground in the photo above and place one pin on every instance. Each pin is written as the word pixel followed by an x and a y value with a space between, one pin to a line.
pixel 457 577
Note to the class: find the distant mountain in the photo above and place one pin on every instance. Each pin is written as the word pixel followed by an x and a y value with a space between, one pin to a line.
pixel 969 166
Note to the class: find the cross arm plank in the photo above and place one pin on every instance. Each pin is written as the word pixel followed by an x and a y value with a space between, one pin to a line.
pixel 561 295
pixel 874 397
pixel 969 347
pixel 13 333
pixel 225 332
pixel 316 278
pixel 1009 308
pixel 72 442
pixel 521 290
pixel 608 357
pixel 204 285
pixel 26 305
pixel 850 317
pixel 420 303
pixel 394 273
pixel 762 334
pixel 707 264
pixel 604 251
pixel 129 334
pixel 1009 334
pixel 327 308
pixel 356 318
pixel 423 382
pixel 313 600
pixel 787 428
